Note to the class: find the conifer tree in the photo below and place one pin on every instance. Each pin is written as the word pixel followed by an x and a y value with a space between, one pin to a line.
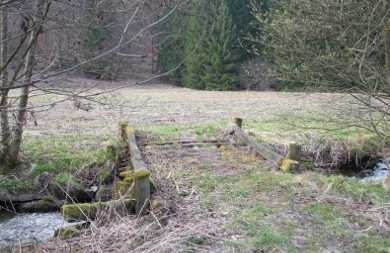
pixel 194 51
pixel 219 67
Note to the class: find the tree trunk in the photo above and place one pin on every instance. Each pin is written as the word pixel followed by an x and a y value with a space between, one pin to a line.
pixel 4 122
pixel 387 52
pixel 21 117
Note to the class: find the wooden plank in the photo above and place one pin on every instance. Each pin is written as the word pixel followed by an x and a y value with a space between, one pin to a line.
pixel 262 149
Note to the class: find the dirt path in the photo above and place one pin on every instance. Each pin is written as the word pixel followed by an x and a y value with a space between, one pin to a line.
pixel 154 104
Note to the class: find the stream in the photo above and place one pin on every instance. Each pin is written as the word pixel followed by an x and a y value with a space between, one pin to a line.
pixel 378 173
pixel 27 227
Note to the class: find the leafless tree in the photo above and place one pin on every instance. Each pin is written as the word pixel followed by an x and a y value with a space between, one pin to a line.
pixel 23 73
pixel 31 29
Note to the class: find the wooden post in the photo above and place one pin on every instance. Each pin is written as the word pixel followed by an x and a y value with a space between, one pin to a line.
pixel 294 152
pixel 261 148
pixel 291 162
pixel 142 190
pixel 238 122
pixel 123 131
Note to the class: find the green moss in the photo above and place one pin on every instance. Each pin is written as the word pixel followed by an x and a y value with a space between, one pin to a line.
pixel 141 174
pixel 89 210
pixel 130 130
pixel 288 165
pixel 80 211
pixel 126 173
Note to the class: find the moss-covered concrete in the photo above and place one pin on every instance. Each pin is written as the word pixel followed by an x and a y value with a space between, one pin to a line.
pixel 90 210
pixel 288 165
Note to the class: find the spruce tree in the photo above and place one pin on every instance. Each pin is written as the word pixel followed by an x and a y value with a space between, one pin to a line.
pixel 194 52
pixel 212 41
pixel 219 67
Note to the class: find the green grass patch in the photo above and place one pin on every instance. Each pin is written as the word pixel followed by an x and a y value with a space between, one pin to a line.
pixel 372 244
pixel 65 153
pixel 261 224
pixel 355 188
pixel 16 185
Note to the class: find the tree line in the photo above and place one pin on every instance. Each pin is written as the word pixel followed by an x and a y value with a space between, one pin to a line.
pixel 305 44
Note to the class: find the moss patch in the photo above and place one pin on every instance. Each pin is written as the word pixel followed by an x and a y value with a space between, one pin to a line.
pixel 141 173
pixel 90 210
pixel 288 165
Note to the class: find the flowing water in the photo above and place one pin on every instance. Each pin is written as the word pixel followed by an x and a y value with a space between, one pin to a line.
pixel 29 227
pixel 379 172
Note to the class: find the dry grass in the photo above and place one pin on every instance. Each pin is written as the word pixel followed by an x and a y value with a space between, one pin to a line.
pixel 156 104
